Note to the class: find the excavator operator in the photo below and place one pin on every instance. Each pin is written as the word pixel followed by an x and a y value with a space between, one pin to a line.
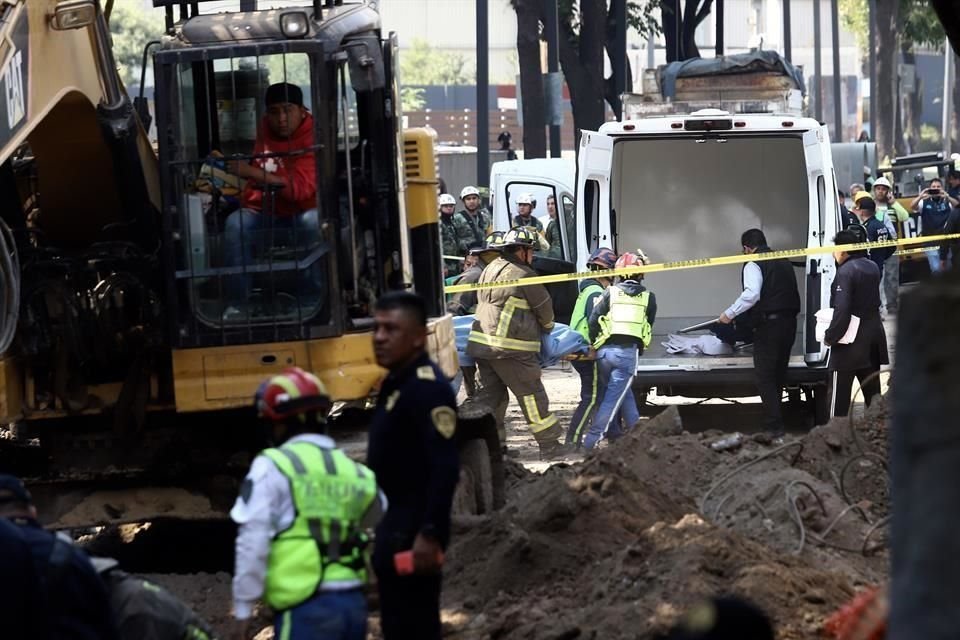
pixel 280 192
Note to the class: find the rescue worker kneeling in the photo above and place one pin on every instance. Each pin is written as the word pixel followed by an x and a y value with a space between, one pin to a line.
pixel 505 340
pixel 621 326
pixel 303 512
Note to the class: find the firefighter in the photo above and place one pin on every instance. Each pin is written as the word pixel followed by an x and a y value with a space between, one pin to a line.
pixel 465 303
pixel 505 340
pixel 303 512
pixel 448 234
pixel 621 326
pixel 591 289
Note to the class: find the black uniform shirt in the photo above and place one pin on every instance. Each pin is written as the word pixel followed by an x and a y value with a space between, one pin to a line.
pixel 413 453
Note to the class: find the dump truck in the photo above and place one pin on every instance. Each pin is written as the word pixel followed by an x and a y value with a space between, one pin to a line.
pixel 126 378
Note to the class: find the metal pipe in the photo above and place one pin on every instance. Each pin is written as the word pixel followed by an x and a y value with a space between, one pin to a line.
pixel 872 64
pixel 787 35
pixel 112 92
pixel 344 114
pixel 718 10
pixel 483 105
pixel 948 76
pixel 551 31
pixel 817 63
pixel 837 88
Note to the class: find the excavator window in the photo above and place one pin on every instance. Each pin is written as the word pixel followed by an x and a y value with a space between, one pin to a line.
pixel 244 162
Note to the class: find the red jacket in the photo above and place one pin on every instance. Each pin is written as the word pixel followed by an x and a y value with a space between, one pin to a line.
pixel 300 194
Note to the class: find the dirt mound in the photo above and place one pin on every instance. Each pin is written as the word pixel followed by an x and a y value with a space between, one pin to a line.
pixel 621 544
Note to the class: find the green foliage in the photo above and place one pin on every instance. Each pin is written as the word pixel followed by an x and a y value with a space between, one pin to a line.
pixel 423 65
pixel 412 99
pixel 920 25
pixel 643 16
pixel 131 29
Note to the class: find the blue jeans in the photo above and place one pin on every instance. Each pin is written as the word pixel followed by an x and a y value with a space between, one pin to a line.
pixel 933 257
pixel 328 615
pixel 246 230
pixel 590 392
pixel 617 366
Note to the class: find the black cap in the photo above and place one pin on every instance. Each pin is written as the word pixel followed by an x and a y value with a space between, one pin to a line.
pixel 12 490
pixel 284 92
pixel 867 203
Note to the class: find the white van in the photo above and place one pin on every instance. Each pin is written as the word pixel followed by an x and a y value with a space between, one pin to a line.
pixel 686 187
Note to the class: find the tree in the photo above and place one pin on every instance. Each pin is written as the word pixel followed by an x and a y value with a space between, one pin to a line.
pixel 899 22
pixel 423 65
pixel 693 13
pixel 531 83
pixel 585 33
pixel 131 28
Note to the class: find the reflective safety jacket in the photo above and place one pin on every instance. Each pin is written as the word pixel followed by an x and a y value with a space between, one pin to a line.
pixel 509 320
pixel 331 493
pixel 627 316
pixel 590 290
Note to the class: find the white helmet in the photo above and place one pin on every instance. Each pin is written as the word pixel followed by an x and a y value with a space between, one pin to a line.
pixel 525 198
pixel 882 182
pixel 445 199
pixel 469 191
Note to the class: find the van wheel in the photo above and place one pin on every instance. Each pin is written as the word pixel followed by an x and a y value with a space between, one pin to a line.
pixel 474 494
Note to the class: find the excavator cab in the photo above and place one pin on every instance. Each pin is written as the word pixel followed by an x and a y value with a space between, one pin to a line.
pixel 272 212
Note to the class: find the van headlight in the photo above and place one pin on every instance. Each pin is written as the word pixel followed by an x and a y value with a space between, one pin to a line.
pixel 294 24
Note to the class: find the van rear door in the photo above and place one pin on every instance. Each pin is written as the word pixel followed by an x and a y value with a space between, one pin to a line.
pixel 594 224
pixel 823 214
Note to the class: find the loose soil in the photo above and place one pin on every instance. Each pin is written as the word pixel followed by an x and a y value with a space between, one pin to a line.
pixel 618 543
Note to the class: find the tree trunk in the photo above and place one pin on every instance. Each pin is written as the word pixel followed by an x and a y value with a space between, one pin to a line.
pixel 955 129
pixel 693 15
pixel 581 59
pixel 531 78
pixel 887 16
pixel 668 22
pixel 913 103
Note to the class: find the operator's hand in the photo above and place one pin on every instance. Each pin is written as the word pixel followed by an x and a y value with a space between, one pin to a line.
pixel 724 318
pixel 925 194
pixel 426 555
pixel 240 629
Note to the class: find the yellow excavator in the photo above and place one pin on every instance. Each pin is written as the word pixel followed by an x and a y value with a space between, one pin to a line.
pixel 136 324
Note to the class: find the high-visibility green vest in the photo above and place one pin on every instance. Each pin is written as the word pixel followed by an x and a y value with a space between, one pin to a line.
pixel 627 317
pixel 579 321
pixel 331 493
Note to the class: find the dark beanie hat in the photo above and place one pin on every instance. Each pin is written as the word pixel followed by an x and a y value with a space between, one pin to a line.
pixel 284 92
pixel 867 203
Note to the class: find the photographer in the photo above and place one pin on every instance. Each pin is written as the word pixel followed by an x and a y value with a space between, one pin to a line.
pixel 933 206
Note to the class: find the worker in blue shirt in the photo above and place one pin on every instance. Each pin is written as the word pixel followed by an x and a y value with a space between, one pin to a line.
pixel 933 205
pixel 77 605
pixel 413 452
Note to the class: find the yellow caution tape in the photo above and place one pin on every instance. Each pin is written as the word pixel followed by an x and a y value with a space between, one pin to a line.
pixel 698 263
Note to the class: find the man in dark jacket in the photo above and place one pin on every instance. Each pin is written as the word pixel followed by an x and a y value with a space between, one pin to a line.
pixel 855 292
pixel 77 605
pixel 948 248
pixel 866 210
pixel 771 300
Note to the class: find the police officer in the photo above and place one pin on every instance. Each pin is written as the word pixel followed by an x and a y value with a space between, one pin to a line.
pixel 473 222
pixel 621 327
pixel 772 301
pixel 590 291
pixel 74 600
pixel 303 512
pixel 876 231
pixel 855 292
pixel 448 234
pixel 413 453
pixel 505 340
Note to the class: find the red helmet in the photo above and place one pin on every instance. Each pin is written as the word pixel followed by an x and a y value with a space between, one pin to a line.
pixel 632 259
pixel 603 257
pixel 294 392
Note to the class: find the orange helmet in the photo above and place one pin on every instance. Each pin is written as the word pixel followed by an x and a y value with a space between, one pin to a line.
pixel 294 392
pixel 632 259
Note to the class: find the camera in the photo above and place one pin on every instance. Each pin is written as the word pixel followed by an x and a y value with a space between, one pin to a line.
pixel 933 192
